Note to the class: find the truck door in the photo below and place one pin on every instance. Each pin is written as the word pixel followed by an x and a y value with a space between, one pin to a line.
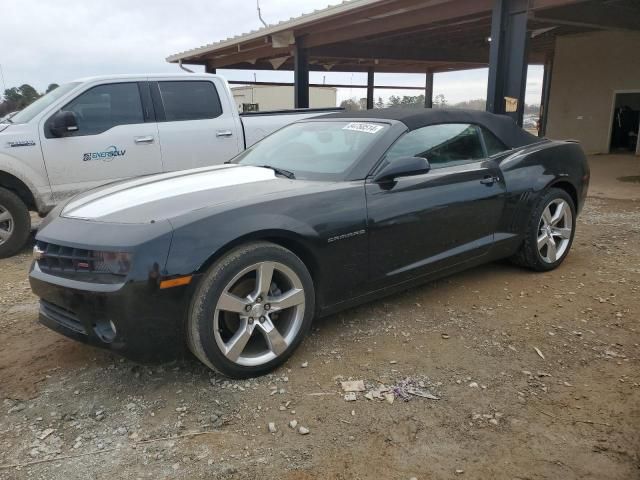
pixel 196 124
pixel 116 138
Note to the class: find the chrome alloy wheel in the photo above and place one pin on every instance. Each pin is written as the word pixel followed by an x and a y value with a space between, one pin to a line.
pixel 6 224
pixel 259 313
pixel 554 230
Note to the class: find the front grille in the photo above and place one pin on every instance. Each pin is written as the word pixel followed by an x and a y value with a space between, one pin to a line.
pixel 57 258
pixel 62 316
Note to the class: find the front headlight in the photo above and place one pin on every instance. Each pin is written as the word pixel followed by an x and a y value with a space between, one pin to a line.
pixel 117 263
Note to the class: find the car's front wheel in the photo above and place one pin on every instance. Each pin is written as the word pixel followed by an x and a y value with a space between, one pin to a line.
pixel 251 310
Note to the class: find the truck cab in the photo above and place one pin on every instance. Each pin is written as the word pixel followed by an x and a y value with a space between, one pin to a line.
pixel 98 130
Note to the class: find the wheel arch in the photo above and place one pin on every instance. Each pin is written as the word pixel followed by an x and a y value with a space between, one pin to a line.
pixel 284 238
pixel 17 186
pixel 568 187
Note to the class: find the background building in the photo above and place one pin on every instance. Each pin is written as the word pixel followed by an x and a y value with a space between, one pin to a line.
pixel 590 50
pixel 595 90
pixel 274 97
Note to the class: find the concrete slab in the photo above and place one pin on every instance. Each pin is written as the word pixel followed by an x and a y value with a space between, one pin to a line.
pixel 606 172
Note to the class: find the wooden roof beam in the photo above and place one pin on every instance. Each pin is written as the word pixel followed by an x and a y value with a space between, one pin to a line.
pixel 425 16
pixel 390 52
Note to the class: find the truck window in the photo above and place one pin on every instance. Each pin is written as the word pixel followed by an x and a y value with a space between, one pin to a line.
pixel 106 106
pixel 190 100
pixel 43 102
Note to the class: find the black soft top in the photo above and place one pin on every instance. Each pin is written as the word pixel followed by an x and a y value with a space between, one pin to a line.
pixel 501 126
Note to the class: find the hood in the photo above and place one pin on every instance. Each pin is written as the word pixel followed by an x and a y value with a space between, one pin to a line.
pixel 17 135
pixel 166 196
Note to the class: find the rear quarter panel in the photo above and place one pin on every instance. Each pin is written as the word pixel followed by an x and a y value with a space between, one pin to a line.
pixel 531 170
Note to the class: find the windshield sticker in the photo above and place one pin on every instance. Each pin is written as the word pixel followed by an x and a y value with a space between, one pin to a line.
pixel 105 156
pixel 363 127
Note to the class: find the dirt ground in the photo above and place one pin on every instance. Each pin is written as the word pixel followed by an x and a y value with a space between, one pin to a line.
pixel 537 377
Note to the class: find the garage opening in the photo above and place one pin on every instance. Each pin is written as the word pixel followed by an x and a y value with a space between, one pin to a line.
pixel 626 123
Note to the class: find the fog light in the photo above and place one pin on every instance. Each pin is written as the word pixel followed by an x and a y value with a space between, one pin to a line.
pixel 106 330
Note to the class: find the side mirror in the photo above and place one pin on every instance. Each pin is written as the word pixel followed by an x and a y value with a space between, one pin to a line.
pixel 63 123
pixel 402 167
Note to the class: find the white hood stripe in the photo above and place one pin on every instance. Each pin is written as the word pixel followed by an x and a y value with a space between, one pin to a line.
pixel 139 192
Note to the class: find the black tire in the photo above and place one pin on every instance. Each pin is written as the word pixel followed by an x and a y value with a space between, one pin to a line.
pixel 529 255
pixel 200 326
pixel 20 220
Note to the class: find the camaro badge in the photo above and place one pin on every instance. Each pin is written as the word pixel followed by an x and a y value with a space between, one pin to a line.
pixel 346 235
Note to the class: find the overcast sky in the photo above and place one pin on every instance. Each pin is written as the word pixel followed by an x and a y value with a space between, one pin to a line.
pixel 44 42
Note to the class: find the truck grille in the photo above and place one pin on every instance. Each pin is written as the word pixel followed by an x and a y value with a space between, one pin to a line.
pixel 62 316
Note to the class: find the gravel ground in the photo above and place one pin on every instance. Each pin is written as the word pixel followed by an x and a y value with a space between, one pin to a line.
pixel 493 373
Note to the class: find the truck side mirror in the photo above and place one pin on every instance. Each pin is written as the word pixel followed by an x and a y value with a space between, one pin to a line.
pixel 63 123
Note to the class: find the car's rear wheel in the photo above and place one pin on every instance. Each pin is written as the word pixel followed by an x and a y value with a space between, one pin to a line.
pixel 15 223
pixel 251 310
pixel 550 232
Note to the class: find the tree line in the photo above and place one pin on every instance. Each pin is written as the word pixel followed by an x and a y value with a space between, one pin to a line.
pixel 417 101
pixel 16 98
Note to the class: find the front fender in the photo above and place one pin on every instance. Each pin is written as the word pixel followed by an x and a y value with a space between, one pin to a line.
pixel 33 178
pixel 190 250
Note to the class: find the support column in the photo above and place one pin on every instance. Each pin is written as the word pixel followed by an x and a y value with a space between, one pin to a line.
pixel 209 69
pixel 508 57
pixel 300 76
pixel 428 89
pixel 370 83
pixel 546 90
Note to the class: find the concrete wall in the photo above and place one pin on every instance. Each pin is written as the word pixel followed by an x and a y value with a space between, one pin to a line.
pixel 587 70
pixel 273 97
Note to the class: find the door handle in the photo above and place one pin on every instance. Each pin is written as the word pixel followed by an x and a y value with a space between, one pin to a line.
pixel 147 139
pixel 224 133
pixel 489 180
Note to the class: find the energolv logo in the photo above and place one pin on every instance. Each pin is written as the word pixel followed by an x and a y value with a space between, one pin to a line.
pixel 106 156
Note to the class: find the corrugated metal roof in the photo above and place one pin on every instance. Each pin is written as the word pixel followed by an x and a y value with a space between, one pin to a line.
pixel 293 22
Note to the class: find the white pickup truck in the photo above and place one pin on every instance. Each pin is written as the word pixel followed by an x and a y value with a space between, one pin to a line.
pixel 101 129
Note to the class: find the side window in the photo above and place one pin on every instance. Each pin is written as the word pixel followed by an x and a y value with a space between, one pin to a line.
pixel 493 144
pixel 443 145
pixel 191 100
pixel 106 106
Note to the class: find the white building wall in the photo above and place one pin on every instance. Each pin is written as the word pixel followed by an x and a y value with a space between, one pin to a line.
pixel 588 70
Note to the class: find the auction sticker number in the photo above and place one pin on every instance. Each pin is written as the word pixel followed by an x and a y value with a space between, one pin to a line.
pixel 363 127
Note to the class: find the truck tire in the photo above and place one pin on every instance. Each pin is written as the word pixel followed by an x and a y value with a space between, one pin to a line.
pixel 251 310
pixel 15 223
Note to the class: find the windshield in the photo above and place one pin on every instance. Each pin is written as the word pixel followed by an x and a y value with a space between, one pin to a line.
pixel 43 102
pixel 316 150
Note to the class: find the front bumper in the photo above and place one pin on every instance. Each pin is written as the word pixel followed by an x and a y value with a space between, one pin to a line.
pixel 134 319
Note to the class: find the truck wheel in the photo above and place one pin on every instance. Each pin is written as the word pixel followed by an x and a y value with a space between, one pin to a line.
pixel 549 233
pixel 251 310
pixel 15 223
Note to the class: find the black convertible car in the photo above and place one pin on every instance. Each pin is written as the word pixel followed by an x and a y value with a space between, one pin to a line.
pixel 236 260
